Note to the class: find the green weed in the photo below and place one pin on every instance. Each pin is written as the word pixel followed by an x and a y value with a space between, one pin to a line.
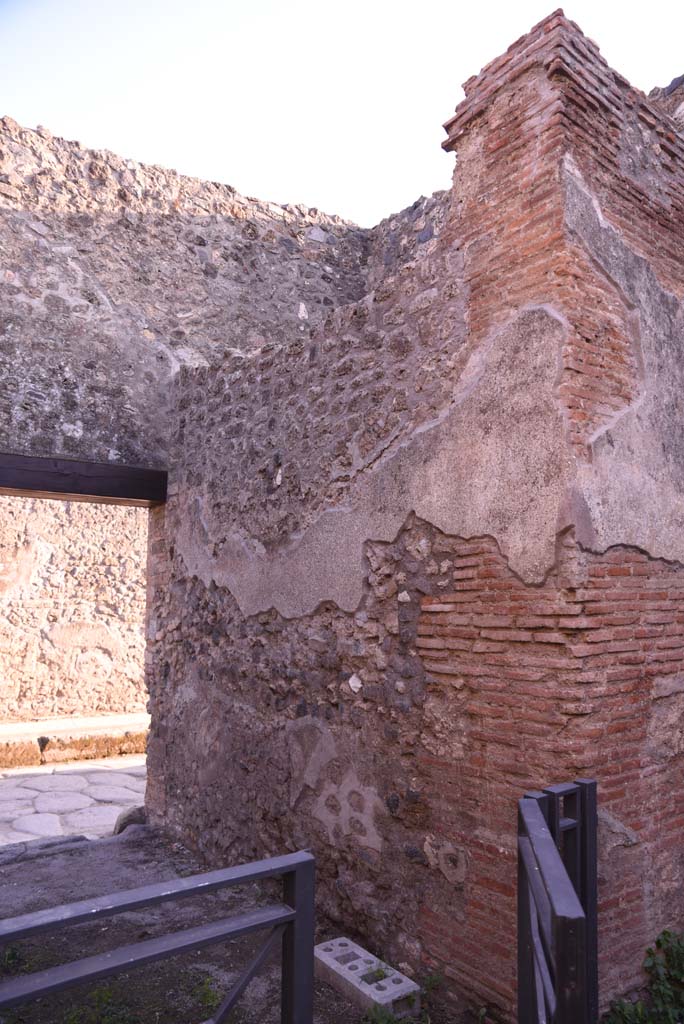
pixel 206 995
pixel 101 1008
pixel 664 997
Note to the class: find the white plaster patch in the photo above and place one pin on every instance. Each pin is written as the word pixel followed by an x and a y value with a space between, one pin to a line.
pixel 348 809
pixel 73 429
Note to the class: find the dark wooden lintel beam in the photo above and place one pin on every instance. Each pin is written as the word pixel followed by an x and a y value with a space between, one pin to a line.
pixel 71 480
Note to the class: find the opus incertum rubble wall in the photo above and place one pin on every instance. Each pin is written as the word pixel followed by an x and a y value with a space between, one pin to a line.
pixel 112 276
pixel 424 542
pixel 115 274
pixel 72 609
pixel 432 554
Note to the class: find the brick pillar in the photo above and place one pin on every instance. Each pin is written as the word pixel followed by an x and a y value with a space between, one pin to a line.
pixel 568 194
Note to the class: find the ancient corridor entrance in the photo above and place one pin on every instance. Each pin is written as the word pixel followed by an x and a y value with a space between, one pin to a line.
pixel 72 608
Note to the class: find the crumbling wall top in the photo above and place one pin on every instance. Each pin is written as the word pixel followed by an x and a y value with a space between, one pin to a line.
pixel 116 274
pixel 671 100
pixel 559 47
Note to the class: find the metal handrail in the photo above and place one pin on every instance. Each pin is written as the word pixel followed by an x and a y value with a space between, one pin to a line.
pixel 557 962
pixel 291 924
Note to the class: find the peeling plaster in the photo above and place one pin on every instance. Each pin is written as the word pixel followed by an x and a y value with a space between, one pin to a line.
pixel 497 460
pixel 634 485
pixel 474 472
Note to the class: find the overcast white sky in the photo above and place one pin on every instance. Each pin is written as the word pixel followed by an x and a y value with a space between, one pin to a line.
pixel 335 103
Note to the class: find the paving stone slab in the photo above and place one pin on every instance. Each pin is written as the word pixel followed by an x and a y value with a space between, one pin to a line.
pixel 10 837
pixel 10 794
pixel 109 779
pixel 62 803
pixel 11 809
pixel 113 794
pixel 56 783
pixel 96 820
pixel 69 794
pixel 39 824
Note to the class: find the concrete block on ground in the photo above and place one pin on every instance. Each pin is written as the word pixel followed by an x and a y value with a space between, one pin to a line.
pixel 364 979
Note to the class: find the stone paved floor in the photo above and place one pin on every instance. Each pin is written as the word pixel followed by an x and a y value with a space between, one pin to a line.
pixel 75 798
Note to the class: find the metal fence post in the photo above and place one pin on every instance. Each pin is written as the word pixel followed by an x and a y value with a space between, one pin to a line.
pixel 526 985
pixel 543 800
pixel 589 889
pixel 571 978
pixel 298 946
pixel 557 905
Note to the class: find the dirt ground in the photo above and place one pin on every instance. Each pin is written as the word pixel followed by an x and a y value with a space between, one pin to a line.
pixel 184 990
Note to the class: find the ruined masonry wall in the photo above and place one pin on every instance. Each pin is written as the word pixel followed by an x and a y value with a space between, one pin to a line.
pixel 72 608
pixel 424 542
pixel 456 570
pixel 671 100
pixel 113 275
pixel 395 740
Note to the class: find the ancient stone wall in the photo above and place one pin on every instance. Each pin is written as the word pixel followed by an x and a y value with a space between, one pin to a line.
pixel 112 276
pixel 434 552
pixel 424 542
pixel 72 608
pixel 671 99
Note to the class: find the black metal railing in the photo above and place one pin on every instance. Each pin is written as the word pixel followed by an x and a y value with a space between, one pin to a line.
pixel 557 905
pixel 290 924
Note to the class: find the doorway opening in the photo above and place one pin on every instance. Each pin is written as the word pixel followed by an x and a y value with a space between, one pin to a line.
pixel 72 633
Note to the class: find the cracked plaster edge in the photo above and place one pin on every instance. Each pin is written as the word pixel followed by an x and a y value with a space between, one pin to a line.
pixel 574 507
pixel 260 583
pixel 653 524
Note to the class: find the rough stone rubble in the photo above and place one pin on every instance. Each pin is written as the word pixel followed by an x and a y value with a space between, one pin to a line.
pixel 424 540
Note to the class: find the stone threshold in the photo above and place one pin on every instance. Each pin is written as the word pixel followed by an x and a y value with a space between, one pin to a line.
pixel 51 740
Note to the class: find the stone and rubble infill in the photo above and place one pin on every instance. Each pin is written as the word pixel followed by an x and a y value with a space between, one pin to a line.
pixel 72 593
pixel 79 798
pixel 185 990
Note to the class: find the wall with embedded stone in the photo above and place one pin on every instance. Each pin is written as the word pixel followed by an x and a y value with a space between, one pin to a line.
pixel 72 609
pixel 434 553
pixel 671 99
pixel 115 274
pixel 424 541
